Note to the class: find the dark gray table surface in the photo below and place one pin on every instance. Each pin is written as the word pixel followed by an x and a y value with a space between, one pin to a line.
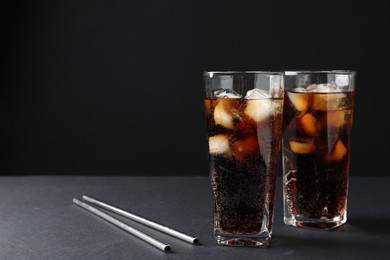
pixel 39 221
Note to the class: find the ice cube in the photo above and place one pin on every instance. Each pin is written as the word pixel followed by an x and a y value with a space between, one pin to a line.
pixel 226 93
pixel 225 113
pixel 342 80
pixel 299 89
pixel 336 118
pixel 323 88
pixel 299 101
pixel 260 109
pixel 309 124
pixel 257 93
pixel 303 147
pixel 311 88
pixel 218 144
pixel 244 148
pixel 338 153
pixel 330 101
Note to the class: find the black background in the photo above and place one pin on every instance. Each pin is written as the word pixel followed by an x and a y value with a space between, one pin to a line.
pixel 116 87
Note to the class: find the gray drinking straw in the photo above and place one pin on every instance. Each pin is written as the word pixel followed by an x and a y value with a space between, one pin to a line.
pixel 146 222
pixel 120 224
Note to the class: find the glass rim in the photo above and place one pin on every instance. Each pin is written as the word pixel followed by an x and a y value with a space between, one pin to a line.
pixel 235 72
pixel 336 72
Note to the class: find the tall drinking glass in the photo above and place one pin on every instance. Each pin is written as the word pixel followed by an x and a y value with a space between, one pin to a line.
pixel 244 123
pixel 318 114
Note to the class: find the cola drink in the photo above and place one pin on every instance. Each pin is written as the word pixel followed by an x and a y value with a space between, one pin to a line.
pixel 244 138
pixel 243 112
pixel 316 155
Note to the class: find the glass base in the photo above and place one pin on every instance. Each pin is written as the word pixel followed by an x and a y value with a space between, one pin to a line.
pixel 263 240
pixel 322 223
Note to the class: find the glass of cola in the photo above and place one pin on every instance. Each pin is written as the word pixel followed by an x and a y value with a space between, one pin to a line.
pixel 316 147
pixel 244 111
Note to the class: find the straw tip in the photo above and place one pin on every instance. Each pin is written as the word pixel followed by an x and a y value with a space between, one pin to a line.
pixel 195 241
pixel 75 200
pixel 167 248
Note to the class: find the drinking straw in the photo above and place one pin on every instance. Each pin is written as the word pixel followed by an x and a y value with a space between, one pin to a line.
pixel 135 232
pixel 146 222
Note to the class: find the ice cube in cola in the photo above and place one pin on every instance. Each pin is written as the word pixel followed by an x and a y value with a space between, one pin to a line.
pixel 243 134
pixel 316 153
